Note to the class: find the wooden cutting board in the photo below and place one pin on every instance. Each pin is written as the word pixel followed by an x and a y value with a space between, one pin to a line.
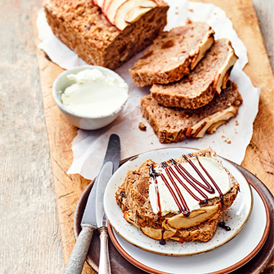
pixel 259 158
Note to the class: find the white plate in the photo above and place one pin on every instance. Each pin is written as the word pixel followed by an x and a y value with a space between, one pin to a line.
pixel 235 217
pixel 224 259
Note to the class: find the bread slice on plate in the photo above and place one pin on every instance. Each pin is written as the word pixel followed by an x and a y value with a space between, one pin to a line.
pixel 199 87
pixel 173 54
pixel 83 27
pixel 150 184
pixel 176 124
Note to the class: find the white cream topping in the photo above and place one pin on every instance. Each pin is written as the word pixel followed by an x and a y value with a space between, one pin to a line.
pixel 94 93
pixel 167 202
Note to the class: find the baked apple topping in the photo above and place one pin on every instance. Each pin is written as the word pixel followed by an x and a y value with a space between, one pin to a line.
pixel 122 13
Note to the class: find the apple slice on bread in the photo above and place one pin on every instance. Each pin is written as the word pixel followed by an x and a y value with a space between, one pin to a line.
pixel 111 10
pixel 130 11
pixel 135 13
pixel 99 3
pixel 105 6
pixel 122 13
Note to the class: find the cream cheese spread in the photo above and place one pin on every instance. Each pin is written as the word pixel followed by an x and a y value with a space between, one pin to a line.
pixel 95 93
pixel 167 201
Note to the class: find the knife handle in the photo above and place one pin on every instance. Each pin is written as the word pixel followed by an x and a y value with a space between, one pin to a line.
pixel 79 253
pixel 104 264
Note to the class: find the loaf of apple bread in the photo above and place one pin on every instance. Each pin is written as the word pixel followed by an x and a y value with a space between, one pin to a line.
pixel 173 54
pixel 84 28
pixel 177 124
pixel 199 87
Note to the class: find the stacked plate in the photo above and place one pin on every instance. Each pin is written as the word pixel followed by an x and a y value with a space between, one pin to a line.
pixel 248 218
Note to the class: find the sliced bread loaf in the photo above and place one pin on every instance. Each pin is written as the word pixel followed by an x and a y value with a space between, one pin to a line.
pixel 173 54
pixel 176 124
pixel 199 87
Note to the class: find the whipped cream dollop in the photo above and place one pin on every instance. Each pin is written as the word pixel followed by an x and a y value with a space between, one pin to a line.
pixel 167 201
pixel 95 93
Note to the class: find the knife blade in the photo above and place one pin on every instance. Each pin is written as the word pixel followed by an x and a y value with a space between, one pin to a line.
pixel 104 177
pixel 112 155
pixel 89 222
pixel 104 265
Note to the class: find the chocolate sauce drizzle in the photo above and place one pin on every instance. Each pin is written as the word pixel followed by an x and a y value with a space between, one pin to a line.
pixel 180 168
pixel 224 226
pixel 213 182
pixel 176 193
pixel 178 196
pixel 162 241
pixel 208 187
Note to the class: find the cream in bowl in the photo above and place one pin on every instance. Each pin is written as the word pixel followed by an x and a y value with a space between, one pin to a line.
pixel 90 97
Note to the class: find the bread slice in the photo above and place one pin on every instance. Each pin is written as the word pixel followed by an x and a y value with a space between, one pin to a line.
pixel 199 87
pixel 176 124
pixel 82 27
pixel 173 54
pixel 134 199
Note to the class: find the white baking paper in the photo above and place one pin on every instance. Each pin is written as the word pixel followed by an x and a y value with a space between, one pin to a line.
pixel 229 141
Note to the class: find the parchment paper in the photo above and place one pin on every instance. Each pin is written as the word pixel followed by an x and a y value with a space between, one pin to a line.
pixel 229 141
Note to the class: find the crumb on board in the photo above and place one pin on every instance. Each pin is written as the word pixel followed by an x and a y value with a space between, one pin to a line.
pixel 142 126
pixel 236 123
pixel 191 10
pixel 227 141
pixel 176 12
pixel 188 21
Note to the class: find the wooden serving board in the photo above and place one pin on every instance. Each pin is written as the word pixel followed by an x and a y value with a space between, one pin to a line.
pixel 259 158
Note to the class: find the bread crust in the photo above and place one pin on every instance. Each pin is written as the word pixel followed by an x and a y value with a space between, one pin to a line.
pixel 133 198
pixel 84 29
pixel 173 54
pixel 199 87
pixel 177 124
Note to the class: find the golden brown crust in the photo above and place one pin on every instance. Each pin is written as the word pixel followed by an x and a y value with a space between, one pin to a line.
pixel 133 198
pixel 84 29
pixel 176 124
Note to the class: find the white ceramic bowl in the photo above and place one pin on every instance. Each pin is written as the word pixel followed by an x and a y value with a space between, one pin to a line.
pixel 80 121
